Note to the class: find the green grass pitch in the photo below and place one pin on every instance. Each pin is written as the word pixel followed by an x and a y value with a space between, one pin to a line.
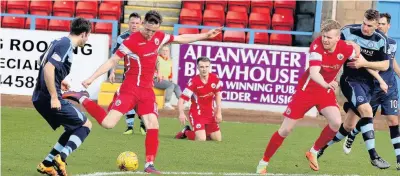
pixel 27 139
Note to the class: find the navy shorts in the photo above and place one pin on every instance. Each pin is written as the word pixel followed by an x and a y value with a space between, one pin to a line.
pixel 69 117
pixel 356 93
pixel 388 101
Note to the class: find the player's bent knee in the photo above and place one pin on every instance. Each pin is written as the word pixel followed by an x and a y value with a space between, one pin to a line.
pixel 201 138
pixel 153 125
pixel 392 120
pixel 335 125
pixel 150 121
pixel 219 139
pixel 201 135
pixel 88 124
pixel 332 114
pixel 365 110
pixel 284 131
pixel 349 126
pixel 111 119
pixel 351 121
pixel 109 123
pixel 216 136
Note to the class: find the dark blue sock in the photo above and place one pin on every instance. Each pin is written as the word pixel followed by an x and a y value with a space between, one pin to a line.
pixel 74 141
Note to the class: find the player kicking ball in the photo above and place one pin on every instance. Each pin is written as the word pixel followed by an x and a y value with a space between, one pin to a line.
pixel 133 24
pixel 316 88
pixel 55 65
pixel 137 88
pixel 202 90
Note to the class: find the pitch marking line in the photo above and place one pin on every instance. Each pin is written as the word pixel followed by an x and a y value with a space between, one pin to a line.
pixel 198 173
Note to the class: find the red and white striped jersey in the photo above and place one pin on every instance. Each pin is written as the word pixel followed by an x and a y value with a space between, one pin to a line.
pixel 141 57
pixel 330 63
pixel 202 95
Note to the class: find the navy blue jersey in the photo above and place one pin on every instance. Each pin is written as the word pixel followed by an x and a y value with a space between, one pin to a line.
pixel 389 75
pixel 392 47
pixel 59 54
pixel 120 39
pixel 373 48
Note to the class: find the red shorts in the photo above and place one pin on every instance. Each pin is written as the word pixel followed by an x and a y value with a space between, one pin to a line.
pixel 142 99
pixel 303 101
pixel 203 123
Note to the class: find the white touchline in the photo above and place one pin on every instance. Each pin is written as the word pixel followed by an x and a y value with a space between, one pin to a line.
pixel 198 173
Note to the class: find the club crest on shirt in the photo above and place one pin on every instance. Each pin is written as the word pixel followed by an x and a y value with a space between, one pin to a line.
pixel 156 41
pixel 118 102
pixel 213 85
pixel 288 111
pixel 360 99
pixel 340 56
pixel 198 126
pixel 391 48
pixel 370 44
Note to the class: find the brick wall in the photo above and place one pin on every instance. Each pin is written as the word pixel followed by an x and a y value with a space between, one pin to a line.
pixel 350 12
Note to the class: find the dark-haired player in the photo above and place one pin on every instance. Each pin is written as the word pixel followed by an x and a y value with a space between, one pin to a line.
pixel 134 23
pixel 357 84
pixel 387 100
pixel 204 117
pixel 55 65
pixel 137 89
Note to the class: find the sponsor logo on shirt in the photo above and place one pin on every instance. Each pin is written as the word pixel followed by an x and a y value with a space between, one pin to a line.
pixel 367 52
pixel 336 67
pixel 149 54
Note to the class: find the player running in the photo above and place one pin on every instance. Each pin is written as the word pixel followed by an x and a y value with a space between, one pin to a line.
pixel 388 101
pixel 202 89
pixel 55 65
pixel 357 84
pixel 316 88
pixel 134 23
pixel 137 88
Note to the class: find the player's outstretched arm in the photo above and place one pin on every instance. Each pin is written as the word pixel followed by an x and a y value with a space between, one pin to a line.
pixel 188 38
pixel 110 63
pixel 361 62
pixel 181 109
pixel 218 108
pixel 378 65
pixel 51 86
pixel 378 77
pixel 111 78
pixel 318 78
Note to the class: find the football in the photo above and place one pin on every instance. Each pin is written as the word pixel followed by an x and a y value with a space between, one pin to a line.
pixel 127 161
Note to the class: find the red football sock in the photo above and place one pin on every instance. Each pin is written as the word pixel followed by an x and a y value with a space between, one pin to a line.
pixel 326 135
pixel 274 143
pixel 151 144
pixel 94 110
pixel 190 135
